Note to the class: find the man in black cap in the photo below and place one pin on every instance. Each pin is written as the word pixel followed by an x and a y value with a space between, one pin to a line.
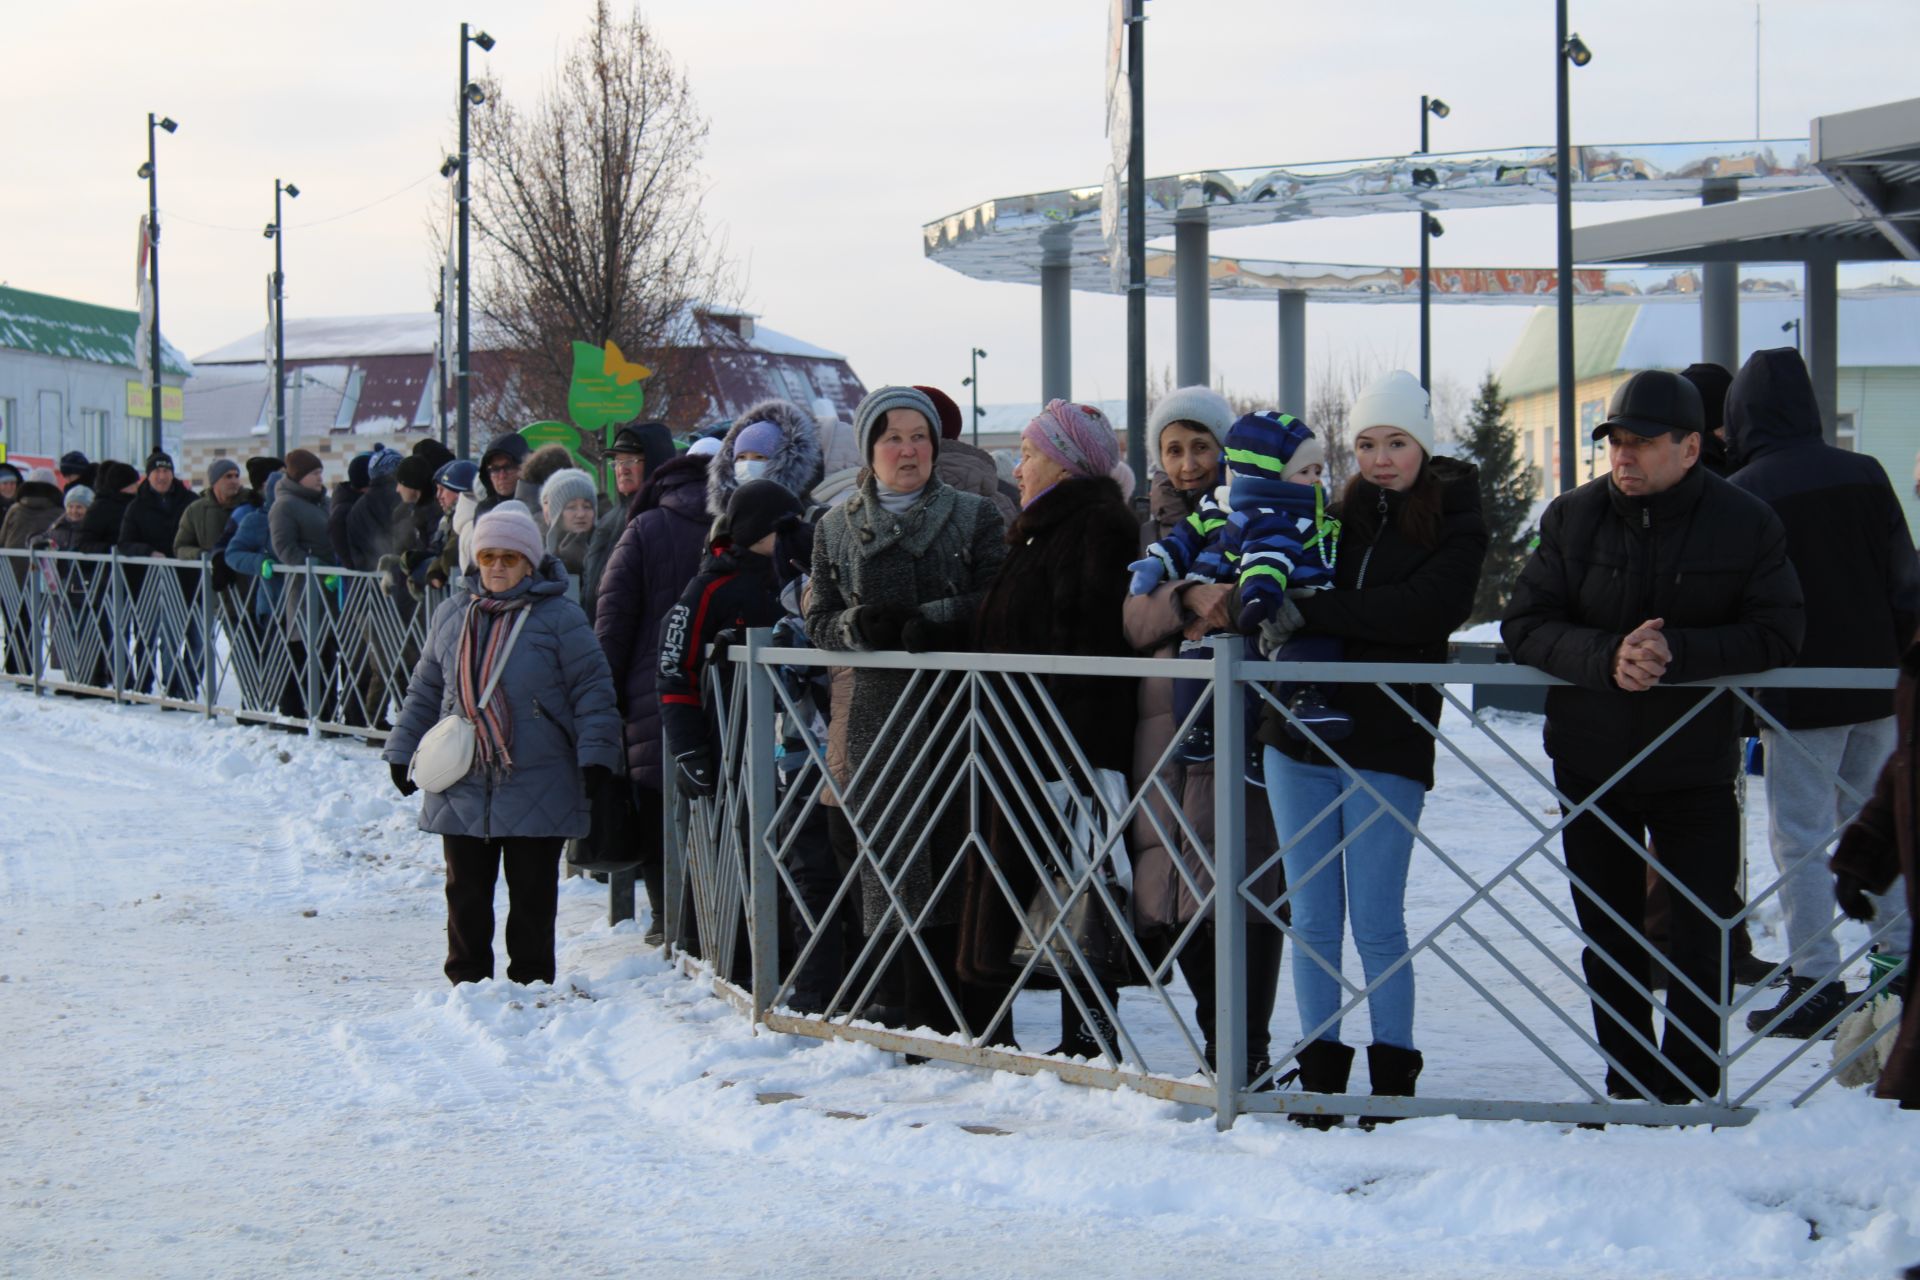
pixel 1657 574
pixel 638 450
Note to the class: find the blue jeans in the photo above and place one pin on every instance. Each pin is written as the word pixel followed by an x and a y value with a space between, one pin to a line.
pixel 1367 880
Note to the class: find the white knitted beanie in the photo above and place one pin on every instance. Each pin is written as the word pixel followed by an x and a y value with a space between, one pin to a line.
pixel 1395 399
pixel 1200 405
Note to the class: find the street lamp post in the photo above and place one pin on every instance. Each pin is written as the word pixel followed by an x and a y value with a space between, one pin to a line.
pixel 1568 51
pixel 276 232
pixel 1428 107
pixel 974 382
pixel 151 172
pixel 471 94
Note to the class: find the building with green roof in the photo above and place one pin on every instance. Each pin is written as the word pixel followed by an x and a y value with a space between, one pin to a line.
pixel 1877 394
pixel 70 379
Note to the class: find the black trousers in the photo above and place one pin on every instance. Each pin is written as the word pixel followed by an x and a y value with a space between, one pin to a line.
pixel 649 849
pixel 1698 834
pixel 533 894
pixel 1264 942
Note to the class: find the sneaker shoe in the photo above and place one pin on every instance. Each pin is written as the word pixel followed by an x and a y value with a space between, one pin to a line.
pixel 1811 1019
pixel 1310 705
pixel 1196 747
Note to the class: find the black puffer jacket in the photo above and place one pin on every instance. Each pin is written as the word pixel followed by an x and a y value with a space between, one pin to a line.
pixel 378 524
pixel 152 518
pixel 1060 591
pixel 1707 558
pixel 1846 536
pixel 100 531
pixel 1394 601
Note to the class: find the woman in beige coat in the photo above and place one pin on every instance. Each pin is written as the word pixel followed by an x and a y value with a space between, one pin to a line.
pixel 1186 430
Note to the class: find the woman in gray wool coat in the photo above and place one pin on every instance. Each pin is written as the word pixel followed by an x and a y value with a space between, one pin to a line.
pixel 903 564
pixel 546 740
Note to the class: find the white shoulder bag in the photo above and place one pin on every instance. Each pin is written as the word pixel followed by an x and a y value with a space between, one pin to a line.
pixel 445 753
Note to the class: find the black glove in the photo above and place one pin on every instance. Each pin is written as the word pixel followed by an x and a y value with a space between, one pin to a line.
pixel 401 782
pixel 880 625
pixel 923 636
pixel 597 778
pixel 693 773
pixel 1850 891
pixel 222 576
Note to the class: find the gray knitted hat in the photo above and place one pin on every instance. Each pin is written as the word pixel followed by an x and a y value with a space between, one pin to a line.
pixel 562 487
pixel 871 416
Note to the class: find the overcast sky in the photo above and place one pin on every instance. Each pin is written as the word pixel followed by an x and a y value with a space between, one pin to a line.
pixel 839 128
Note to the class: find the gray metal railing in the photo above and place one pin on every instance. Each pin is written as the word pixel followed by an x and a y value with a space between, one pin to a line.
pixel 1489 898
pixel 313 646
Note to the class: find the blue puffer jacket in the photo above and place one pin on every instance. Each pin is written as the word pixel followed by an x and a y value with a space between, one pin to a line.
pixel 251 547
pixel 559 697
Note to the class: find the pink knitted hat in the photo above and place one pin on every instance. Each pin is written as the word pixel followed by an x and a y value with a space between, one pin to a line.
pixel 1077 436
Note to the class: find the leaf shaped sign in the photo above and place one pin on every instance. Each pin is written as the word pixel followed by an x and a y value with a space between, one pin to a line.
pixel 607 387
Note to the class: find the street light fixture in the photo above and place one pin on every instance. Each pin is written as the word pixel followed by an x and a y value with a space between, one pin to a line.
pixel 1434 229
pixel 274 233
pixel 1429 229
pixel 977 355
pixel 150 172
pixel 1567 51
pixel 471 94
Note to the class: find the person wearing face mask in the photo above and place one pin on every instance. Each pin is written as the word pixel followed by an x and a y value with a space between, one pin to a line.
pixel 774 440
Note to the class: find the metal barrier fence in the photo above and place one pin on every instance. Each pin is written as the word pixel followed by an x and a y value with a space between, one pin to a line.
pixel 976 804
pixel 311 647
pixel 976 801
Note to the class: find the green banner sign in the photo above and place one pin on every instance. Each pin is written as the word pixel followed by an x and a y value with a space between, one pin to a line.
pixel 607 388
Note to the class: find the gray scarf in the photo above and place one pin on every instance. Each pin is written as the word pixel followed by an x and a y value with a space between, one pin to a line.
pixel 897 503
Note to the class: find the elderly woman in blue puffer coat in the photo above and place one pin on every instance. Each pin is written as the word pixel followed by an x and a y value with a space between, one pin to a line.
pixel 545 741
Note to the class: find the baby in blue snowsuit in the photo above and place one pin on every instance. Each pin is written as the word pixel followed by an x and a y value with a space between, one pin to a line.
pixel 1268 532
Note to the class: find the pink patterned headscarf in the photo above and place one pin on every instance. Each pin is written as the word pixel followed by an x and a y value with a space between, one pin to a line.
pixel 1077 436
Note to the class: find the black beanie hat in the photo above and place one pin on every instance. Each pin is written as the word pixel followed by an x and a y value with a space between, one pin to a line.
pixel 436 454
pixel 1711 381
pixel 159 458
pixel 415 472
pixel 758 508
pixel 258 469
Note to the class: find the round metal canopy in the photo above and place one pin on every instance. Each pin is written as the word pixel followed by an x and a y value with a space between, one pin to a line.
pixel 1010 239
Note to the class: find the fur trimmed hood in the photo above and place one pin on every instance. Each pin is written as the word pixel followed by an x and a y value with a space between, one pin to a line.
pixel 795 465
pixel 546 462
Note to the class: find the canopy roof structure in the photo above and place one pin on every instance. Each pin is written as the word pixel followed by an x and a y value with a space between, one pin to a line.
pixel 1869 212
pixel 1867 208
pixel 1010 239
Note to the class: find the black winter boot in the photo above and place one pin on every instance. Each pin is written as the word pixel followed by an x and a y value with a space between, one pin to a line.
pixel 1323 1067
pixel 1808 1021
pixel 1392 1071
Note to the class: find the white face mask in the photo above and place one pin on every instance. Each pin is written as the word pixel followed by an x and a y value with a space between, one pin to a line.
pixel 745 469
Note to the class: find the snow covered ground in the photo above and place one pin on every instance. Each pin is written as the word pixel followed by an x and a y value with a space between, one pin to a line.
pixel 228 1051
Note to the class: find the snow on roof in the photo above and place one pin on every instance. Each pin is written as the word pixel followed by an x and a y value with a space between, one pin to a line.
pixel 42 323
pixel 414 333
pixel 339 337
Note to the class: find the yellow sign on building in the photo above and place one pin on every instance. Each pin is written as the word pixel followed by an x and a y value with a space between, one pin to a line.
pixel 173 402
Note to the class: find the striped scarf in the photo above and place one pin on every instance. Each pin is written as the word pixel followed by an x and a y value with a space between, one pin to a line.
pixel 493 723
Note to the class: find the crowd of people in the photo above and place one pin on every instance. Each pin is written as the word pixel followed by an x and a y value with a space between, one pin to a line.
pixel 567 676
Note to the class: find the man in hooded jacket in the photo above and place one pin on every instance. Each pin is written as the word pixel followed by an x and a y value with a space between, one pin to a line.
pixel 1848 540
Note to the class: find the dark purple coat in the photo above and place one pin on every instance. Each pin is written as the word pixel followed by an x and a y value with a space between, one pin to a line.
pixel 655 559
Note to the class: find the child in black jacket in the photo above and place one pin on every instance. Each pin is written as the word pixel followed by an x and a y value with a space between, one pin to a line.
pixel 760 547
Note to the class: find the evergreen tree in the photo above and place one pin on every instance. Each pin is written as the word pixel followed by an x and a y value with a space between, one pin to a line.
pixel 1507 487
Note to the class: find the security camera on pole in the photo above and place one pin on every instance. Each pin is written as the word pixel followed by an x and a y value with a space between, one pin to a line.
pixel 276 232
pixel 1430 229
pixel 471 94
pixel 150 310
pixel 1567 51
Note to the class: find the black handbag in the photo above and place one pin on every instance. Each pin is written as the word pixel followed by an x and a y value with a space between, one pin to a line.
pixel 611 844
